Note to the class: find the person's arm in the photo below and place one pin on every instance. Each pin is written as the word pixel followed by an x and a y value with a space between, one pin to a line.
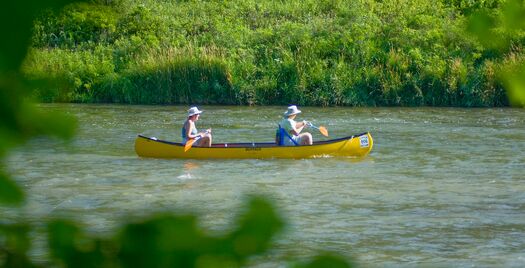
pixel 298 127
pixel 203 134
pixel 301 124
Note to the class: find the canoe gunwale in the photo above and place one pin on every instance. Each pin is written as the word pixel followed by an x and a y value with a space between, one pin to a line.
pixel 254 144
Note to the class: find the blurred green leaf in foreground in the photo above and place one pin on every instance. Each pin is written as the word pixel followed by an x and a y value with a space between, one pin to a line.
pixel 168 241
pixel 503 29
pixel 19 118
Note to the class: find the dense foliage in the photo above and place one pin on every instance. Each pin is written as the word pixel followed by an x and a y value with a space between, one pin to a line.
pixel 308 52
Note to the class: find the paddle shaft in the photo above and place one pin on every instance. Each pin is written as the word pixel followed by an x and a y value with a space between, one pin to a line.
pixel 320 128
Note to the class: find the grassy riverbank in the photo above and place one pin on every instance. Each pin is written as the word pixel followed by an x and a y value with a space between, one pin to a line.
pixel 332 52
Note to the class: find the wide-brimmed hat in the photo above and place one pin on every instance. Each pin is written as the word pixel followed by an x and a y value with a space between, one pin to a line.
pixel 193 111
pixel 292 110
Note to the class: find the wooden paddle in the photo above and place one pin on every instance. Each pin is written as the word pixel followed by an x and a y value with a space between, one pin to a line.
pixel 321 129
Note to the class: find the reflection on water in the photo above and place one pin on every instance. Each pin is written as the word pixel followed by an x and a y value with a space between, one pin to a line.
pixel 190 164
pixel 188 167
pixel 441 186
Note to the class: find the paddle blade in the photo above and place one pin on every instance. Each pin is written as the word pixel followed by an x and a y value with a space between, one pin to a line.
pixel 323 131
pixel 188 144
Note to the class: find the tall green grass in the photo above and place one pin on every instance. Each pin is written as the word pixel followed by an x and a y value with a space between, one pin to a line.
pixel 328 52
pixel 158 78
pixel 168 77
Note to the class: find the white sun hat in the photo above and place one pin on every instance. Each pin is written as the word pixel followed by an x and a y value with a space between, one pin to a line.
pixel 292 110
pixel 193 111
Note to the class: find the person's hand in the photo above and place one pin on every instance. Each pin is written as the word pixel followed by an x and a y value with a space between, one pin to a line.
pixel 208 130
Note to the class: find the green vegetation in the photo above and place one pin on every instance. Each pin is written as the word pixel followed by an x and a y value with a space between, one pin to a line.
pixel 503 31
pixel 310 52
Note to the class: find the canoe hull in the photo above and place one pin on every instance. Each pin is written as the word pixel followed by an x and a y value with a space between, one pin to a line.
pixel 359 145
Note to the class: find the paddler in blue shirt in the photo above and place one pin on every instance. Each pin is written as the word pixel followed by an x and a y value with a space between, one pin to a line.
pixel 289 131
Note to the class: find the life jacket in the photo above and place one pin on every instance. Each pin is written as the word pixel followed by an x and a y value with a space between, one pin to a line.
pixel 282 134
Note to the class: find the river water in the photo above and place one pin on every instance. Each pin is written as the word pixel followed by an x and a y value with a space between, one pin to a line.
pixel 442 186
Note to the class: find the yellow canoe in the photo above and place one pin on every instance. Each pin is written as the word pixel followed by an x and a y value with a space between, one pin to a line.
pixel 358 145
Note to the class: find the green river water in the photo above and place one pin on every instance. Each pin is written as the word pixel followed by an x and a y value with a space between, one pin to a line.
pixel 442 187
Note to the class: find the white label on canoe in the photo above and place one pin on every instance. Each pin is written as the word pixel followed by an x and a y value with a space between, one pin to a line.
pixel 364 141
